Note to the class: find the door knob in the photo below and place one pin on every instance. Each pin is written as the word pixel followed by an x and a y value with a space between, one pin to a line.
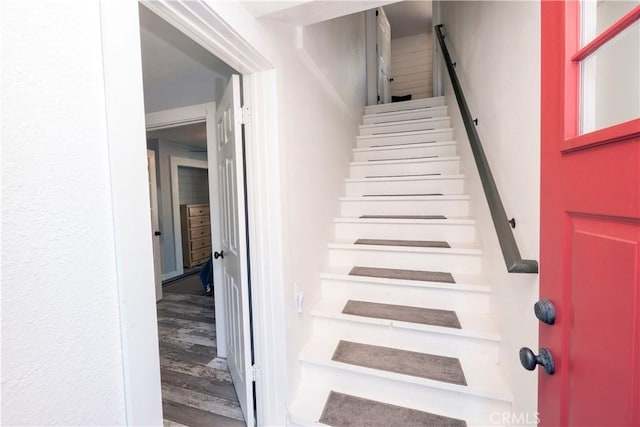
pixel 157 233
pixel 545 311
pixel 529 360
pixel 217 255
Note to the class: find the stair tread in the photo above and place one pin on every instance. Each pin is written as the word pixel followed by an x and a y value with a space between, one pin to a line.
pixel 404 161
pixel 391 113
pixel 406 246
pixel 415 177
pixel 403 274
pixel 411 145
pixel 406 133
pixel 411 243
pixel 404 158
pixel 402 313
pixel 404 198
pixel 403 195
pixel 463 281
pixel 472 324
pixel 406 219
pixel 482 378
pixel 403 105
pixel 405 362
pixel 402 122
pixel 347 410
pixel 307 408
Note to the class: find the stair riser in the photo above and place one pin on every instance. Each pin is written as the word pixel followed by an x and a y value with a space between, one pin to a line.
pixel 406 260
pixel 407 339
pixel 474 409
pixel 405 115
pixel 449 233
pixel 405 153
pixel 447 299
pixel 403 106
pixel 448 208
pixel 411 168
pixel 431 124
pixel 374 141
pixel 442 186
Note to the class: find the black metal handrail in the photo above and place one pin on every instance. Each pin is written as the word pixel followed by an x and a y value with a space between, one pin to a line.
pixel 512 258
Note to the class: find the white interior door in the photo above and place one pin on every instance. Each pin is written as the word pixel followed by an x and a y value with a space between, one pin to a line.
pixel 233 264
pixel 155 229
pixel 383 51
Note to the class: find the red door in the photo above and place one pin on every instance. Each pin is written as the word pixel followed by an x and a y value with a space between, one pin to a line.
pixel 590 217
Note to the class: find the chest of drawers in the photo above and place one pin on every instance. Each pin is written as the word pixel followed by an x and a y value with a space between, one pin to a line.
pixel 196 234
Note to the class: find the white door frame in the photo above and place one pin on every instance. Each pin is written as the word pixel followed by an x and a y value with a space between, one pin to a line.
pixel 437 69
pixel 153 193
pixel 175 162
pixel 129 191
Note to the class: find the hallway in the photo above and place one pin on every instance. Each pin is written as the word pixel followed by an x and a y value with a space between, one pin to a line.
pixel 196 385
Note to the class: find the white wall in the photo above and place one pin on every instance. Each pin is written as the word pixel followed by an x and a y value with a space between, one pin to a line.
pixel 497 49
pixel 61 343
pixel 411 65
pixel 323 93
pixel 193 185
pixel 164 150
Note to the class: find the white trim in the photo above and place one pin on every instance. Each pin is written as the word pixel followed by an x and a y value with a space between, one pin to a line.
pixel 175 162
pixel 129 181
pixel 436 63
pixel 177 116
pixel 199 21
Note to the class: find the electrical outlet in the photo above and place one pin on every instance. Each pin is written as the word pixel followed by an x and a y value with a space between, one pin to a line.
pixel 298 298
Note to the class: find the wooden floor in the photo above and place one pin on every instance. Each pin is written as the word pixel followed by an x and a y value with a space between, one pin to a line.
pixel 196 386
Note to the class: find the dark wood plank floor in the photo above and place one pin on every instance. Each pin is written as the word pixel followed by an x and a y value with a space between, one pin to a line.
pixel 196 386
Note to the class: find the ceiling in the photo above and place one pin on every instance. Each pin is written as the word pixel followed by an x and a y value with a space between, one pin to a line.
pixel 408 18
pixel 193 134
pixel 168 54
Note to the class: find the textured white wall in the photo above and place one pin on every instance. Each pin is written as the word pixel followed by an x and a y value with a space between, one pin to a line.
pixel 497 49
pixel 61 345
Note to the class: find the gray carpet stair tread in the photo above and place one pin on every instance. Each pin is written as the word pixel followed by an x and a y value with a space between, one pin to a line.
pixel 423 365
pixel 403 217
pixel 410 243
pixel 392 273
pixel 403 313
pixel 344 410
pixel 402 195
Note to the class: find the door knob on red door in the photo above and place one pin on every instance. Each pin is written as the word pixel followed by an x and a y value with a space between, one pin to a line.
pixel 529 360
pixel 545 311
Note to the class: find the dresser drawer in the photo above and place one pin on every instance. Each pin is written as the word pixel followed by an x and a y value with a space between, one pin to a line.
pixel 198 211
pixel 201 254
pixel 200 243
pixel 198 221
pixel 200 232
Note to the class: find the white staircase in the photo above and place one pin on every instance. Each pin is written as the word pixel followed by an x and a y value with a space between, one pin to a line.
pixel 405 197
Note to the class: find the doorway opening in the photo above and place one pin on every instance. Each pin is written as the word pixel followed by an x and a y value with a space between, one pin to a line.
pixel 400 54
pixel 204 338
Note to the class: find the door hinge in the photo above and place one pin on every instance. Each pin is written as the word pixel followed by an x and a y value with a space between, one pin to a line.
pixel 376 13
pixel 255 372
pixel 244 115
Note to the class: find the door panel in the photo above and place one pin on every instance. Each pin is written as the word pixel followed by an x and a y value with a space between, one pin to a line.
pixel 234 260
pixel 383 49
pixel 155 227
pixel 590 240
